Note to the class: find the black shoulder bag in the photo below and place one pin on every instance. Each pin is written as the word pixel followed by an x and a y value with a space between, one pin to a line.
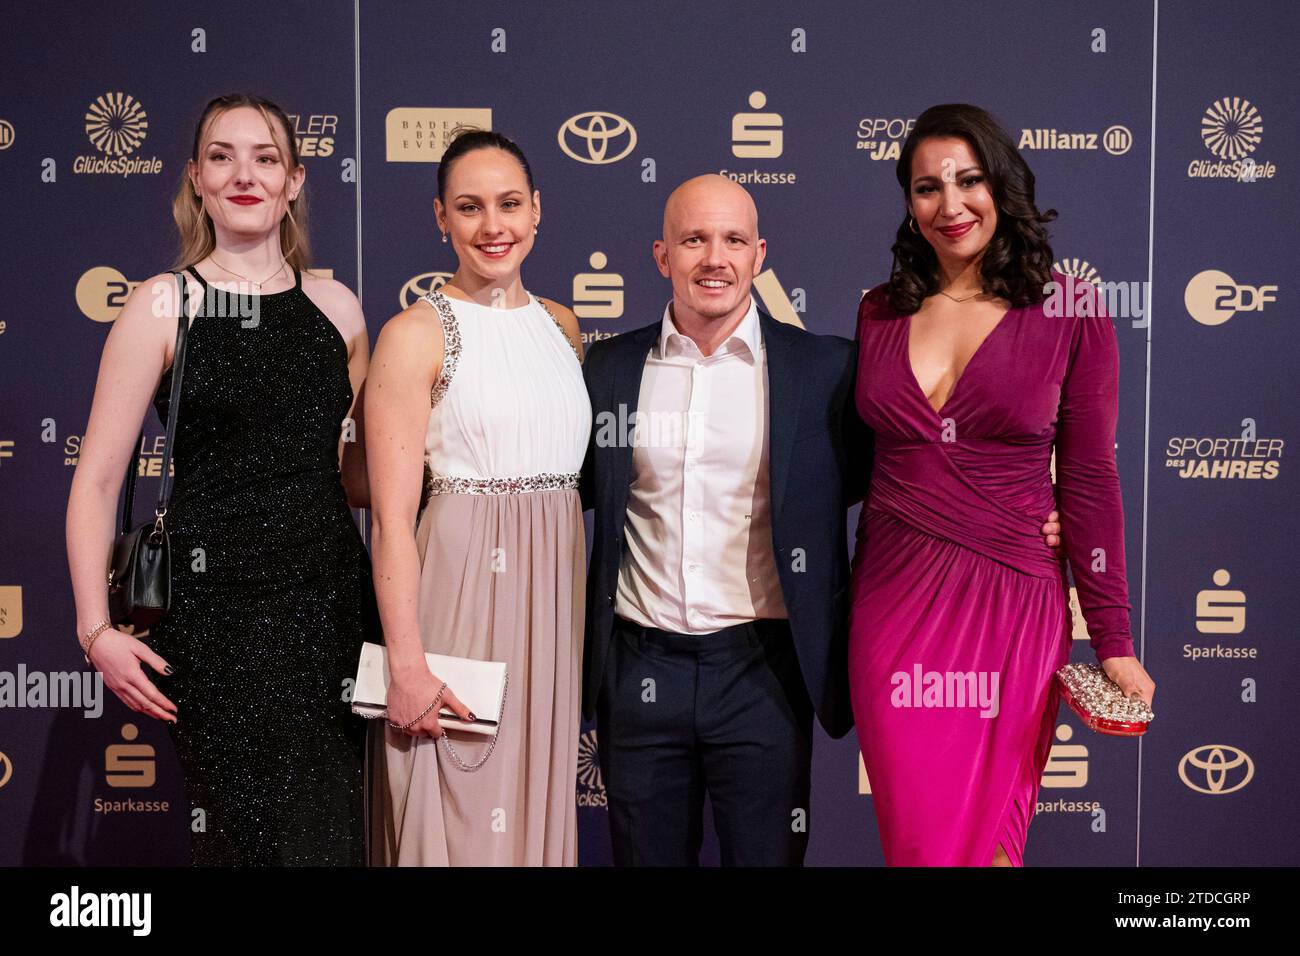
pixel 139 575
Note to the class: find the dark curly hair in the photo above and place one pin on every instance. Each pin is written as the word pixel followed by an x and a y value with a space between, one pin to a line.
pixel 1017 262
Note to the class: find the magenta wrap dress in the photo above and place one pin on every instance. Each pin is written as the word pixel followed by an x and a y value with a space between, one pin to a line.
pixel 955 591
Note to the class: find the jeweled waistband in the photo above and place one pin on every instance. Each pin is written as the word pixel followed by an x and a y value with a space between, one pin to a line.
pixel 547 481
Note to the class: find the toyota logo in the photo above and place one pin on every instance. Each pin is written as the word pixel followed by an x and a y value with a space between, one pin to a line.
pixel 1225 769
pixel 421 285
pixel 595 138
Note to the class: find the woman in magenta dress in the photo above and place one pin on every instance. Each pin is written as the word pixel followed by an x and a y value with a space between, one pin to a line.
pixel 970 376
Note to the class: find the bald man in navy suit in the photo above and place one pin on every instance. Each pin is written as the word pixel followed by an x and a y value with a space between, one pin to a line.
pixel 725 453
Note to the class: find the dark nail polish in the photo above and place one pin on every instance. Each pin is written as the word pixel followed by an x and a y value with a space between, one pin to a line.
pixel 168 669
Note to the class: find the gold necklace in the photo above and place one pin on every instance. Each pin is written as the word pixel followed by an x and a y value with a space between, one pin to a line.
pixel 257 286
pixel 966 299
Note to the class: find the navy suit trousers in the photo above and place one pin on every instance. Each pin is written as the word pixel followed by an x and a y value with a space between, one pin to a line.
pixel 725 714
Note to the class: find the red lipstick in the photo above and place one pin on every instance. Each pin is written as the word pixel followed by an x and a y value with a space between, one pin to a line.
pixel 957 231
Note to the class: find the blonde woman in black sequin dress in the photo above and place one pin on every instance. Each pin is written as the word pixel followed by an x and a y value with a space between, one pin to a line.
pixel 271 583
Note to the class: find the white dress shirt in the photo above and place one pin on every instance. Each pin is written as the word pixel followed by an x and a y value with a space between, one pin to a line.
pixel 698 551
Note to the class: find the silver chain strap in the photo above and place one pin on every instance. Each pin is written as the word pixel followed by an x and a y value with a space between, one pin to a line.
pixel 409 724
pixel 455 758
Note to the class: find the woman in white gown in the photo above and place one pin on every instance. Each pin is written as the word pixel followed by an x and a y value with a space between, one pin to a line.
pixel 476 405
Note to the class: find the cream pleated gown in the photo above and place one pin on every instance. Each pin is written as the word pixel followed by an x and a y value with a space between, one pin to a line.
pixel 502 578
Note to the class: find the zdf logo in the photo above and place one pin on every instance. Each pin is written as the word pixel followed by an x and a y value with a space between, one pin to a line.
pixel 101 293
pixel 1213 297
pixel 597 138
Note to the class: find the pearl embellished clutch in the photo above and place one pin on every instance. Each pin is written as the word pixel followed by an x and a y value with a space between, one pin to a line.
pixel 1100 703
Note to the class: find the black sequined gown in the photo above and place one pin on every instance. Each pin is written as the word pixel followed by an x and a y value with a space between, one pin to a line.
pixel 271 587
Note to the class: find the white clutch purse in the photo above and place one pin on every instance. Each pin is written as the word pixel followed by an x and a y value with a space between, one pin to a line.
pixel 480 685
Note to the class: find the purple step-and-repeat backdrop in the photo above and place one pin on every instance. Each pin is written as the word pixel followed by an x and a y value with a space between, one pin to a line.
pixel 1165 135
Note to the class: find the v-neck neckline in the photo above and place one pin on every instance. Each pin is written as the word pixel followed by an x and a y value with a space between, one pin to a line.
pixel 916 382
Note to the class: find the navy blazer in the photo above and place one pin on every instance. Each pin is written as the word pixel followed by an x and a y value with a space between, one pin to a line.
pixel 819 455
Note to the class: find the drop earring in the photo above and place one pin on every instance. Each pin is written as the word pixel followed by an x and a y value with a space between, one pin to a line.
pixel 444 237
pixel 911 224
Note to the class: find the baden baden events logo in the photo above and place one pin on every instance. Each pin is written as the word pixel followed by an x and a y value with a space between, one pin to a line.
pixel 1213 297
pixel 1231 129
pixel 596 138
pixel 420 134
pixel 1116 140
pixel 1216 769
pixel 882 137
pixel 758 135
pixel 116 125
pixel 11 610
